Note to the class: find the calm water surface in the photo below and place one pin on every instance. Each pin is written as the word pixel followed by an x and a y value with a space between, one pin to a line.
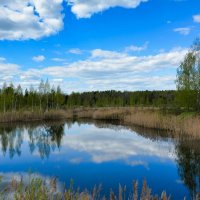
pixel 101 153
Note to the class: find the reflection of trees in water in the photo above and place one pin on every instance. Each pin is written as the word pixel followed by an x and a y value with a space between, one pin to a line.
pixel 187 156
pixel 188 160
pixel 11 141
pixel 44 139
pixel 48 137
pixel 152 134
pixel 187 153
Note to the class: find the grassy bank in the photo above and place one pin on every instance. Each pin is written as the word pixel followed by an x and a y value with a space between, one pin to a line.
pixel 184 123
pixel 28 116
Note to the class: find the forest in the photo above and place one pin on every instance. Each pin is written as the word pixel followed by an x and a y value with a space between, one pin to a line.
pixel 46 98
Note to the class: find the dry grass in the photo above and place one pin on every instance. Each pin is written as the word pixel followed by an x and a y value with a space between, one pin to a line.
pixel 144 117
pixel 189 125
pixel 37 189
pixel 26 116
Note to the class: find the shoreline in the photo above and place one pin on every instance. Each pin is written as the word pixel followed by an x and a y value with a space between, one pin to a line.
pixel 153 118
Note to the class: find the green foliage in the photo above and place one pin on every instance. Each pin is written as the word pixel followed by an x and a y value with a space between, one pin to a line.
pixel 188 79
pixel 42 98
pixel 46 97
pixel 122 99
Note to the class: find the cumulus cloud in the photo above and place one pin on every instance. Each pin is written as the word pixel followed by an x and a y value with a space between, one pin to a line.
pixel 183 31
pixel 30 19
pixel 86 8
pixel 196 18
pixel 34 19
pixel 9 71
pixel 104 70
pixel 39 58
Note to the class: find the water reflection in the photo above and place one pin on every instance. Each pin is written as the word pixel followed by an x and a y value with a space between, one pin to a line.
pixel 94 142
pixel 11 141
pixel 188 161
pixel 41 139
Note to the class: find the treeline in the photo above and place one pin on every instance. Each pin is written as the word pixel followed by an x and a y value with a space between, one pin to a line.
pixel 43 98
pixel 47 97
pixel 120 99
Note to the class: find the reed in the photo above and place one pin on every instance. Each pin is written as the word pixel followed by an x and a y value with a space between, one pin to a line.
pixel 26 116
pixel 188 124
pixel 38 189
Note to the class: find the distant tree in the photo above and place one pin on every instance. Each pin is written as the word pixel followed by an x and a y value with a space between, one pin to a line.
pixel 196 50
pixel 47 89
pixel 41 91
pixel 52 95
pixel 59 97
pixel 32 96
pixel 18 97
pixel 4 96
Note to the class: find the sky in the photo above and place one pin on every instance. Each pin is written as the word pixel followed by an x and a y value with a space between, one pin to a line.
pixel 87 45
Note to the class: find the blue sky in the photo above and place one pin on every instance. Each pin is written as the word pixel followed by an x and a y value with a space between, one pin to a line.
pixel 96 45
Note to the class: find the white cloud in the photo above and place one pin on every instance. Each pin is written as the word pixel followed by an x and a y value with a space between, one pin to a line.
pixel 183 31
pixel 39 58
pixel 75 51
pixel 86 8
pixel 103 70
pixel 34 19
pixel 106 70
pixel 99 53
pixel 137 48
pixel 9 71
pixel 196 18
pixel 128 146
pixel 30 19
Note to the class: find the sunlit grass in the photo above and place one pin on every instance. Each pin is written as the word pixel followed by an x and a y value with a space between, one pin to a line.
pixel 37 189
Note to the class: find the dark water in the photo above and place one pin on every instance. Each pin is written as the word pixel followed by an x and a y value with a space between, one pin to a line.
pixel 102 153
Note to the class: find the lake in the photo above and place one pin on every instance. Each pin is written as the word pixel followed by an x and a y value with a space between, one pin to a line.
pixel 107 153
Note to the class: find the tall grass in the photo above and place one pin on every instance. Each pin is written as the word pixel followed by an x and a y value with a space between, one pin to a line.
pixel 26 116
pixel 144 117
pixel 38 190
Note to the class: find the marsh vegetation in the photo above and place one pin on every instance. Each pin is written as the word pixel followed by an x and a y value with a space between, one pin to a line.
pixel 40 189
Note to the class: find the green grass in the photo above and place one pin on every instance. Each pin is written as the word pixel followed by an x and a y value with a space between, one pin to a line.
pixel 37 189
pixel 185 115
